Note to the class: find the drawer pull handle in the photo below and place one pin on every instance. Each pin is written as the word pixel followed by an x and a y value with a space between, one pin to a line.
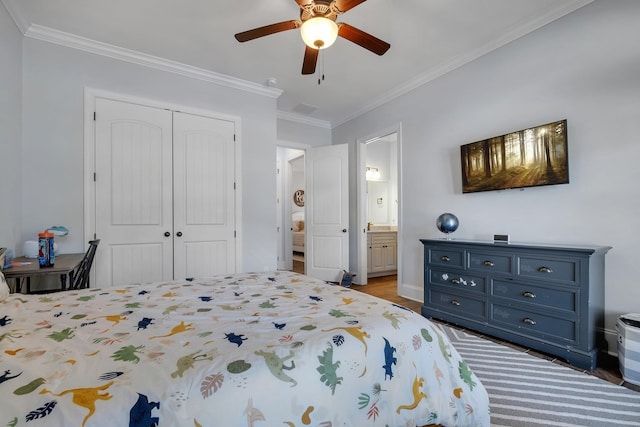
pixel 528 294
pixel 445 258
pixel 488 263
pixel 529 321
pixel 455 302
pixel 455 281
pixel 545 270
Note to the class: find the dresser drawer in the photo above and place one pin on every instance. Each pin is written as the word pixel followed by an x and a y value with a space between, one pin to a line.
pixel 534 324
pixel 445 256
pixel 461 306
pixel 538 296
pixel 382 238
pixel 549 269
pixel 488 262
pixel 458 281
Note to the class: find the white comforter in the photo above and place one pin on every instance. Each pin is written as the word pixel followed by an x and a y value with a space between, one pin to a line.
pixel 268 349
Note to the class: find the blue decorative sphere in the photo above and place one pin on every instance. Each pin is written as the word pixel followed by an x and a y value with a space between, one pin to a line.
pixel 447 223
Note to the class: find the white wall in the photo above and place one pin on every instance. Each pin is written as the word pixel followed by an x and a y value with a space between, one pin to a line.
pixel 10 129
pixel 54 81
pixel 584 67
pixel 301 133
pixel 382 155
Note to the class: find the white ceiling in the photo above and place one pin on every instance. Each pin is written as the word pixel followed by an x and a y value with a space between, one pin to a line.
pixel 427 37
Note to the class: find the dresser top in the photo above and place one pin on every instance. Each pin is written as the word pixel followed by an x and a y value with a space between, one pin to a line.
pixel 518 245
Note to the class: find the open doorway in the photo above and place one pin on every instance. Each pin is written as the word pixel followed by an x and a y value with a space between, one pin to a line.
pixel 325 199
pixel 297 190
pixel 379 206
pixel 290 209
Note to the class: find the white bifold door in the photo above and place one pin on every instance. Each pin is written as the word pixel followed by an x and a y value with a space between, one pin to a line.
pixel 164 194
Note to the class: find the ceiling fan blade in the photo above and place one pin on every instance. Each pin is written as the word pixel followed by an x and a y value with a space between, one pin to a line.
pixel 310 60
pixel 363 39
pixel 344 5
pixel 304 2
pixel 267 30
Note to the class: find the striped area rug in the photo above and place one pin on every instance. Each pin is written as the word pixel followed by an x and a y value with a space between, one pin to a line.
pixel 526 391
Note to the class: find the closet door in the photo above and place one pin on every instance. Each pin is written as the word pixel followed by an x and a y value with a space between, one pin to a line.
pixel 133 193
pixel 204 196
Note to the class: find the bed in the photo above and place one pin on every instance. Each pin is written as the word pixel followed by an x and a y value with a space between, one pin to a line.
pixel 264 349
pixel 297 231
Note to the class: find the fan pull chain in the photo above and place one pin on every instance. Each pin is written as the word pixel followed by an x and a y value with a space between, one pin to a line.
pixel 321 53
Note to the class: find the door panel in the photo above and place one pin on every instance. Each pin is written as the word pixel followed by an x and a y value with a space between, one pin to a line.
pixel 203 259
pixel 136 180
pixel 377 259
pixel 327 212
pixel 133 193
pixel 137 263
pixel 204 196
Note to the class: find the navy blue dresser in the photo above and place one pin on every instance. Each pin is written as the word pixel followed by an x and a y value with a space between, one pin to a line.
pixel 546 297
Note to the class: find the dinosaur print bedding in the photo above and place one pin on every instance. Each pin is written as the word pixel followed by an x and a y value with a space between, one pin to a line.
pixel 246 350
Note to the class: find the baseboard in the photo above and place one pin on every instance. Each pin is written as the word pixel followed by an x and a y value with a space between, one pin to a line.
pixel 412 292
pixel 382 273
pixel 612 341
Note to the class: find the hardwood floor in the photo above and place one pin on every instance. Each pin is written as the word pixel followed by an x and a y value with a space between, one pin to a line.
pixel 386 288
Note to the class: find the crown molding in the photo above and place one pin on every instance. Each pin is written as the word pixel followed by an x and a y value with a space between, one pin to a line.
pixel 16 15
pixel 69 40
pixel 39 32
pixel 292 117
pixel 516 33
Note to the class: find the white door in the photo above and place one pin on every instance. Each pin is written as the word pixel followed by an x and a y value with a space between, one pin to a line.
pixel 327 212
pixel 133 192
pixel 165 198
pixel 204 196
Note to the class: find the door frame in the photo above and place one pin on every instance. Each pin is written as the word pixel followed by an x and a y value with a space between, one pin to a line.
pixel 285 251
pixel 90 96
pixel 361 202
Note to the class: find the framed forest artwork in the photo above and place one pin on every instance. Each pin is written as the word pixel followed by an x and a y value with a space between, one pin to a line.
pixel 525 158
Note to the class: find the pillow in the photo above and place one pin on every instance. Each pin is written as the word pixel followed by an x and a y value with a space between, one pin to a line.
pixel 298 225
pixel 4 288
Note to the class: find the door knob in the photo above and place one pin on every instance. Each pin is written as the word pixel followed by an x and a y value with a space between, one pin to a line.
pixel 179 234
pixel 167 234
pixel 344 230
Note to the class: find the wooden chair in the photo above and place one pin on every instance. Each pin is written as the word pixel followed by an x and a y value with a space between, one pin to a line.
pixel 81 275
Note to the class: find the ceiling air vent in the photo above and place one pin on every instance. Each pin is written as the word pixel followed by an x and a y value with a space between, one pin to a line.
pixel 304 109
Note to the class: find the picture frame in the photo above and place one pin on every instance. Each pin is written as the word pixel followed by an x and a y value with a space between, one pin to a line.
pixel 298 198
pixel 529 157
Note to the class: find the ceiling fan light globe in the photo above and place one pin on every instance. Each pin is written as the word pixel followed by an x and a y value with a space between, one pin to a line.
pixel 319 32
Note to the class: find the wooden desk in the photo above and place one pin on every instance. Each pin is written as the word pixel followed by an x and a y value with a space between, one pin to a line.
pixel 64 265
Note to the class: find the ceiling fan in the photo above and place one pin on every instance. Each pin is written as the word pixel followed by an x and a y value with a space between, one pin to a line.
pixel 319 30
